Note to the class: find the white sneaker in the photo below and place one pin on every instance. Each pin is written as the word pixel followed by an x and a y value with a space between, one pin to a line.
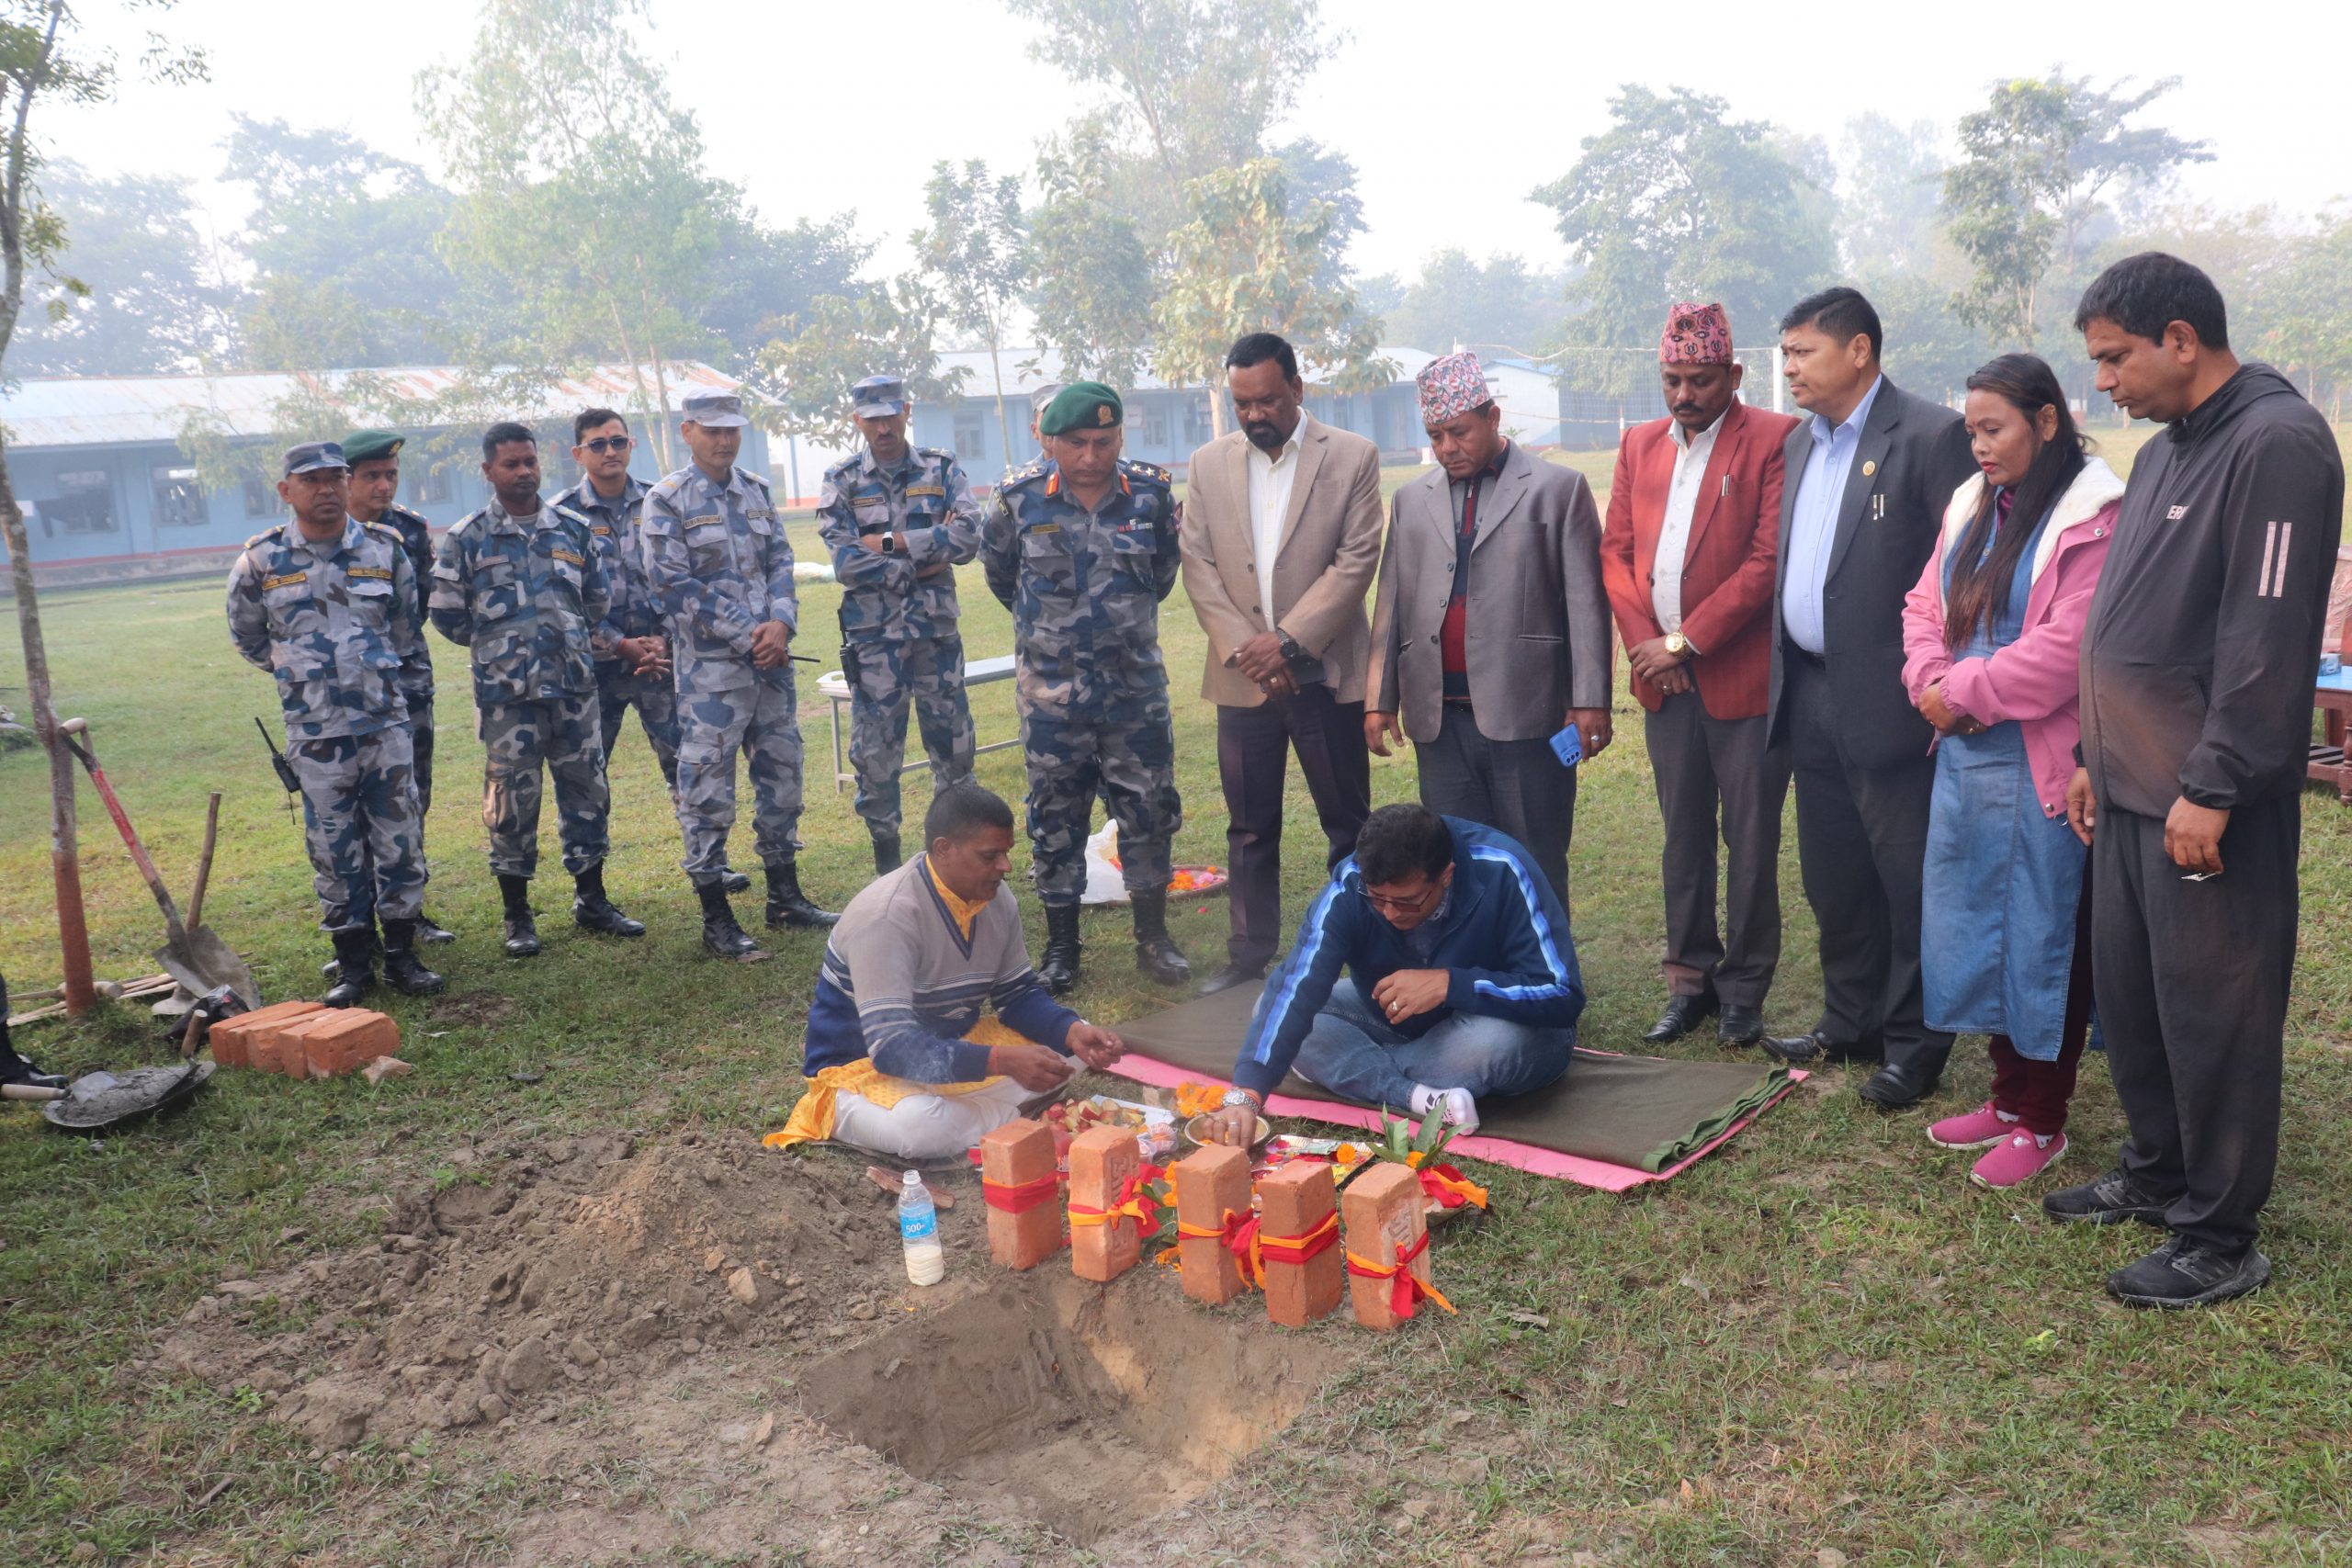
pixel 1460 1112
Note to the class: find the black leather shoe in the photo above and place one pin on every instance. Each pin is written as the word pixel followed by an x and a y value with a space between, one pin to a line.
pixel 734 881
pixel 1232 975
pixel 2105 1201
pixel 1740 1027
pixel 1684 1012
pixel 429 931
pixel 2185 1273
pixel 787 905
pixel 1897 1086
pixel 720 934
pixel 403 971
pixel 1818 1047
pixel 25 1070
pixel 1057 971
pixel 592 911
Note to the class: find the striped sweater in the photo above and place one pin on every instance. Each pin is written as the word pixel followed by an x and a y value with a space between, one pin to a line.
pixel 902 984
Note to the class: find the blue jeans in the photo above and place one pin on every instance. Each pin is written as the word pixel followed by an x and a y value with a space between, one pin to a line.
pixel 1352 1051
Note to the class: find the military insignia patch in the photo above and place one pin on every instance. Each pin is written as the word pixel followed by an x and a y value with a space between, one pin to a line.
pixel 379 573
pixel 288 580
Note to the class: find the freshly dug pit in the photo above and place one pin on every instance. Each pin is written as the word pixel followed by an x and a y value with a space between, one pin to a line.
pixel 1086 1407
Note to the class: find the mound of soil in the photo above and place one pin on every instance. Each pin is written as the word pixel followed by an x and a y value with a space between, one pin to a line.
pixel 578 1267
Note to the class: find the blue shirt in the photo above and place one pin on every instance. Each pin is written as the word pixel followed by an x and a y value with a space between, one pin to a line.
pixel 1813 522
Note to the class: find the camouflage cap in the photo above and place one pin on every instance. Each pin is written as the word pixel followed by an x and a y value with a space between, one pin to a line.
pixel 368 446
pixel 1042 396
pixel 1081 405
pixel 877 397
pixel 714 409
pixel 313 456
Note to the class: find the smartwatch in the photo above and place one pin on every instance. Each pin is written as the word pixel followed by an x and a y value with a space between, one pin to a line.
pixel 889 544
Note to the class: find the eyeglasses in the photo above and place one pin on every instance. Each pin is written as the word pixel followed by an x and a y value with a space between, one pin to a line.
pixel 603 444
pixel 1412 905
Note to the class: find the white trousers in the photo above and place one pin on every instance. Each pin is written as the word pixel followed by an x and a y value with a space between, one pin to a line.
pixel 925 1126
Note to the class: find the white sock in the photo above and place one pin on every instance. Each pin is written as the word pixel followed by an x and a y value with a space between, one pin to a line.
pixel 1422 1099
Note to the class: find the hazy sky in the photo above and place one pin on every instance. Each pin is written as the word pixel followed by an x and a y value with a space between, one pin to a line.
pixel 1451 114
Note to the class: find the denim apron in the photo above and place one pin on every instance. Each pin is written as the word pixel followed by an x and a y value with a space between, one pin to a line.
pixel 2003 879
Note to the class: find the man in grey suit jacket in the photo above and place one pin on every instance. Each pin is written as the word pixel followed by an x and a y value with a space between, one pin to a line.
pixel 1868 476
pixel 1491 633
pixel 1280 538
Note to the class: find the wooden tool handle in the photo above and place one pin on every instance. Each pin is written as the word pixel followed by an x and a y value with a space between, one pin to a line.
pixel 204 861
pixel 29 1092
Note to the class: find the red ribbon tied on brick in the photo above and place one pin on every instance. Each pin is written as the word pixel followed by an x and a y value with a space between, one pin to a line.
pixel 1237 1235
pixel 1134 1204
pixel 1018 1198
pixel 1297 1249
pixel 1448 1187
pixel 1409 1288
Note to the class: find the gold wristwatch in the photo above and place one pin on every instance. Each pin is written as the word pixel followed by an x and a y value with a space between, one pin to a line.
pixel 1677 644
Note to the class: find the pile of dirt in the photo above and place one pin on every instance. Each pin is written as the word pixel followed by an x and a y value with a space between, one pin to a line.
pixel 573 1269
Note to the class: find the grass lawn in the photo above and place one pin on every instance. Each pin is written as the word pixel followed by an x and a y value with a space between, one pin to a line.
pixel 1820 1341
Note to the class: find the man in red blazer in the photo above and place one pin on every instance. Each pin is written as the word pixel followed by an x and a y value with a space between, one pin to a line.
pixel 1687 554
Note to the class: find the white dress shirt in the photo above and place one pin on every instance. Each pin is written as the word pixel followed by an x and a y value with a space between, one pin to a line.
pixel 1681 504
pixel 1270 476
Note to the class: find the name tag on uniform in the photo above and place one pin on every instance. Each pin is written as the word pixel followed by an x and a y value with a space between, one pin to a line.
pixel 600 527
pixel 1045 528
pixel 382 573
pixel 709 520
pixel 289 580
pixel 759 513
pixel 914 490
pixel 564 556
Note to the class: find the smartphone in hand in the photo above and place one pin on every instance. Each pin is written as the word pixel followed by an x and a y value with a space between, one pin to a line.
pixel 1569 746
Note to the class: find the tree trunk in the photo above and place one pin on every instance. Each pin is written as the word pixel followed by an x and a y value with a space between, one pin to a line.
pixel 1218 423
pixel 1003 427
pixel 64 850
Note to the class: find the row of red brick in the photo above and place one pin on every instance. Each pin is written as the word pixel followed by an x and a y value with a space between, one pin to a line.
pixel 1303 1240
pixel 303 1039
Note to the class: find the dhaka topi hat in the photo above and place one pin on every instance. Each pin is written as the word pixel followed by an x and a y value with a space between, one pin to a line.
pixel 1695 334
pixel 368 445
pixel 714 409
pixel 1451 386
pixel 1042 396
pixel 1081 405
pixel 878 397
pixel 313 456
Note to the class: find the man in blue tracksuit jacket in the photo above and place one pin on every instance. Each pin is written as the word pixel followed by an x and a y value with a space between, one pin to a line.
pixel 1462 983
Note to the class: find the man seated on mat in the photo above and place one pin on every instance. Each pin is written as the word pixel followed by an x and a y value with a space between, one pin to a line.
pixel 899 1059
pixel 1463 978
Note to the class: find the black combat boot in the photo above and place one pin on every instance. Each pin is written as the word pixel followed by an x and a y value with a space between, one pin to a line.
pixel 431 932
pixel 733 881
pixel 1156 953
pixel 887 858
pixel 787 905
pixel 403 971
pixel 355 956
pixel 720 932
pixel 1059 969
pixel 592 911
pixel 522 929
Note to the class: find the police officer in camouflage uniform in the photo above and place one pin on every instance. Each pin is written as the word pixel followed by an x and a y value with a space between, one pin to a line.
pixel 717 560
pixel 519 582
pixel 375 459
pixel 898 521
pixel 1082 547
pixel 328 605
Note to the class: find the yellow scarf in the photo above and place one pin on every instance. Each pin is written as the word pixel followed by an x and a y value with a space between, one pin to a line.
pixel 812 1119
pixel 964 914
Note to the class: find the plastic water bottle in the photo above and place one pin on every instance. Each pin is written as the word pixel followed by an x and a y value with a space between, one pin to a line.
pixel 918 1231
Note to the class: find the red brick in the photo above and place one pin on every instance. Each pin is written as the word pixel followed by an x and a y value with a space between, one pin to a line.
pixel 1101 1160
pixel 329 1044
pixel 1383 1212
pixel 268 1047
pixel 1211 1183
pixel 232 1039
pixel 1292 1201
pixel 1015 1155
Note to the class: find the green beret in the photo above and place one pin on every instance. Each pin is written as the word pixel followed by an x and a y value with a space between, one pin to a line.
pixel 368 445
pixel 1081 405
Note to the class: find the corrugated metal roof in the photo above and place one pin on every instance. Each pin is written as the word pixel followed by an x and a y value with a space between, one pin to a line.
pixel 97 410
pixel 981 382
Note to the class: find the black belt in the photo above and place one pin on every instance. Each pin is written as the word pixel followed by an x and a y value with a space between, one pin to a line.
pixel 1817 660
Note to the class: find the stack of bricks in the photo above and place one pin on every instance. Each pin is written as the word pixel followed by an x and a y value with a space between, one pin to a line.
pixel 303 1039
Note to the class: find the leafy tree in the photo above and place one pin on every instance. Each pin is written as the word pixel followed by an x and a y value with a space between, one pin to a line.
pixel 143 295
pixel 975 254
pixel 2037 164
pixel 761 275
pixel 1891 177
pixel 1091 279
pixel 1498 303
pixel 805 374
pixel 1675 201
pixel 1251 259
pixel 2307 328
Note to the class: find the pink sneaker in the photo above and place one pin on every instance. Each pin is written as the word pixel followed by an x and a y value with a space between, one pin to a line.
pixel 1980 1129
pixel 2020 1158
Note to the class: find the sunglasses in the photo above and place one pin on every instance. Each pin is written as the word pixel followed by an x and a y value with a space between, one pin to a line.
pixel 603 444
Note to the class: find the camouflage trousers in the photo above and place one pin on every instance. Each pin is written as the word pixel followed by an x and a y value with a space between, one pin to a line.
pixel 1127 752
pixel 361 825
pixel 656 702
pixel 420 730
pixel 885 679
pixel 517 740
pixel 762 722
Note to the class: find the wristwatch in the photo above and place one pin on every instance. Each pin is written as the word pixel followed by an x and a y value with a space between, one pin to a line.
pixel 1292 652
pixel 1239 1097
pixel 1677 644
pixel 889 544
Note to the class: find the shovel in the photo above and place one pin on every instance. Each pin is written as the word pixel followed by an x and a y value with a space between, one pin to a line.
pixel 196 958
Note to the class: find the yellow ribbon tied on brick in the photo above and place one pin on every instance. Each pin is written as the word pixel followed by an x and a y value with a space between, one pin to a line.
pixel 812 1119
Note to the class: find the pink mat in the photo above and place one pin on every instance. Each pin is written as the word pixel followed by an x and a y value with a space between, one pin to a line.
pixel 1594 1173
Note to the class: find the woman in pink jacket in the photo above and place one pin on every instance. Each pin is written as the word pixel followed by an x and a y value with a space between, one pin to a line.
pixel 1992 637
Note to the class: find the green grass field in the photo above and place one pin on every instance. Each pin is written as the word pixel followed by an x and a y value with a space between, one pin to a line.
pixel 1821 1341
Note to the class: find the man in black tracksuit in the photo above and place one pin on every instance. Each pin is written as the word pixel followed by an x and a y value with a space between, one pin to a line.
pixel 2198 664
